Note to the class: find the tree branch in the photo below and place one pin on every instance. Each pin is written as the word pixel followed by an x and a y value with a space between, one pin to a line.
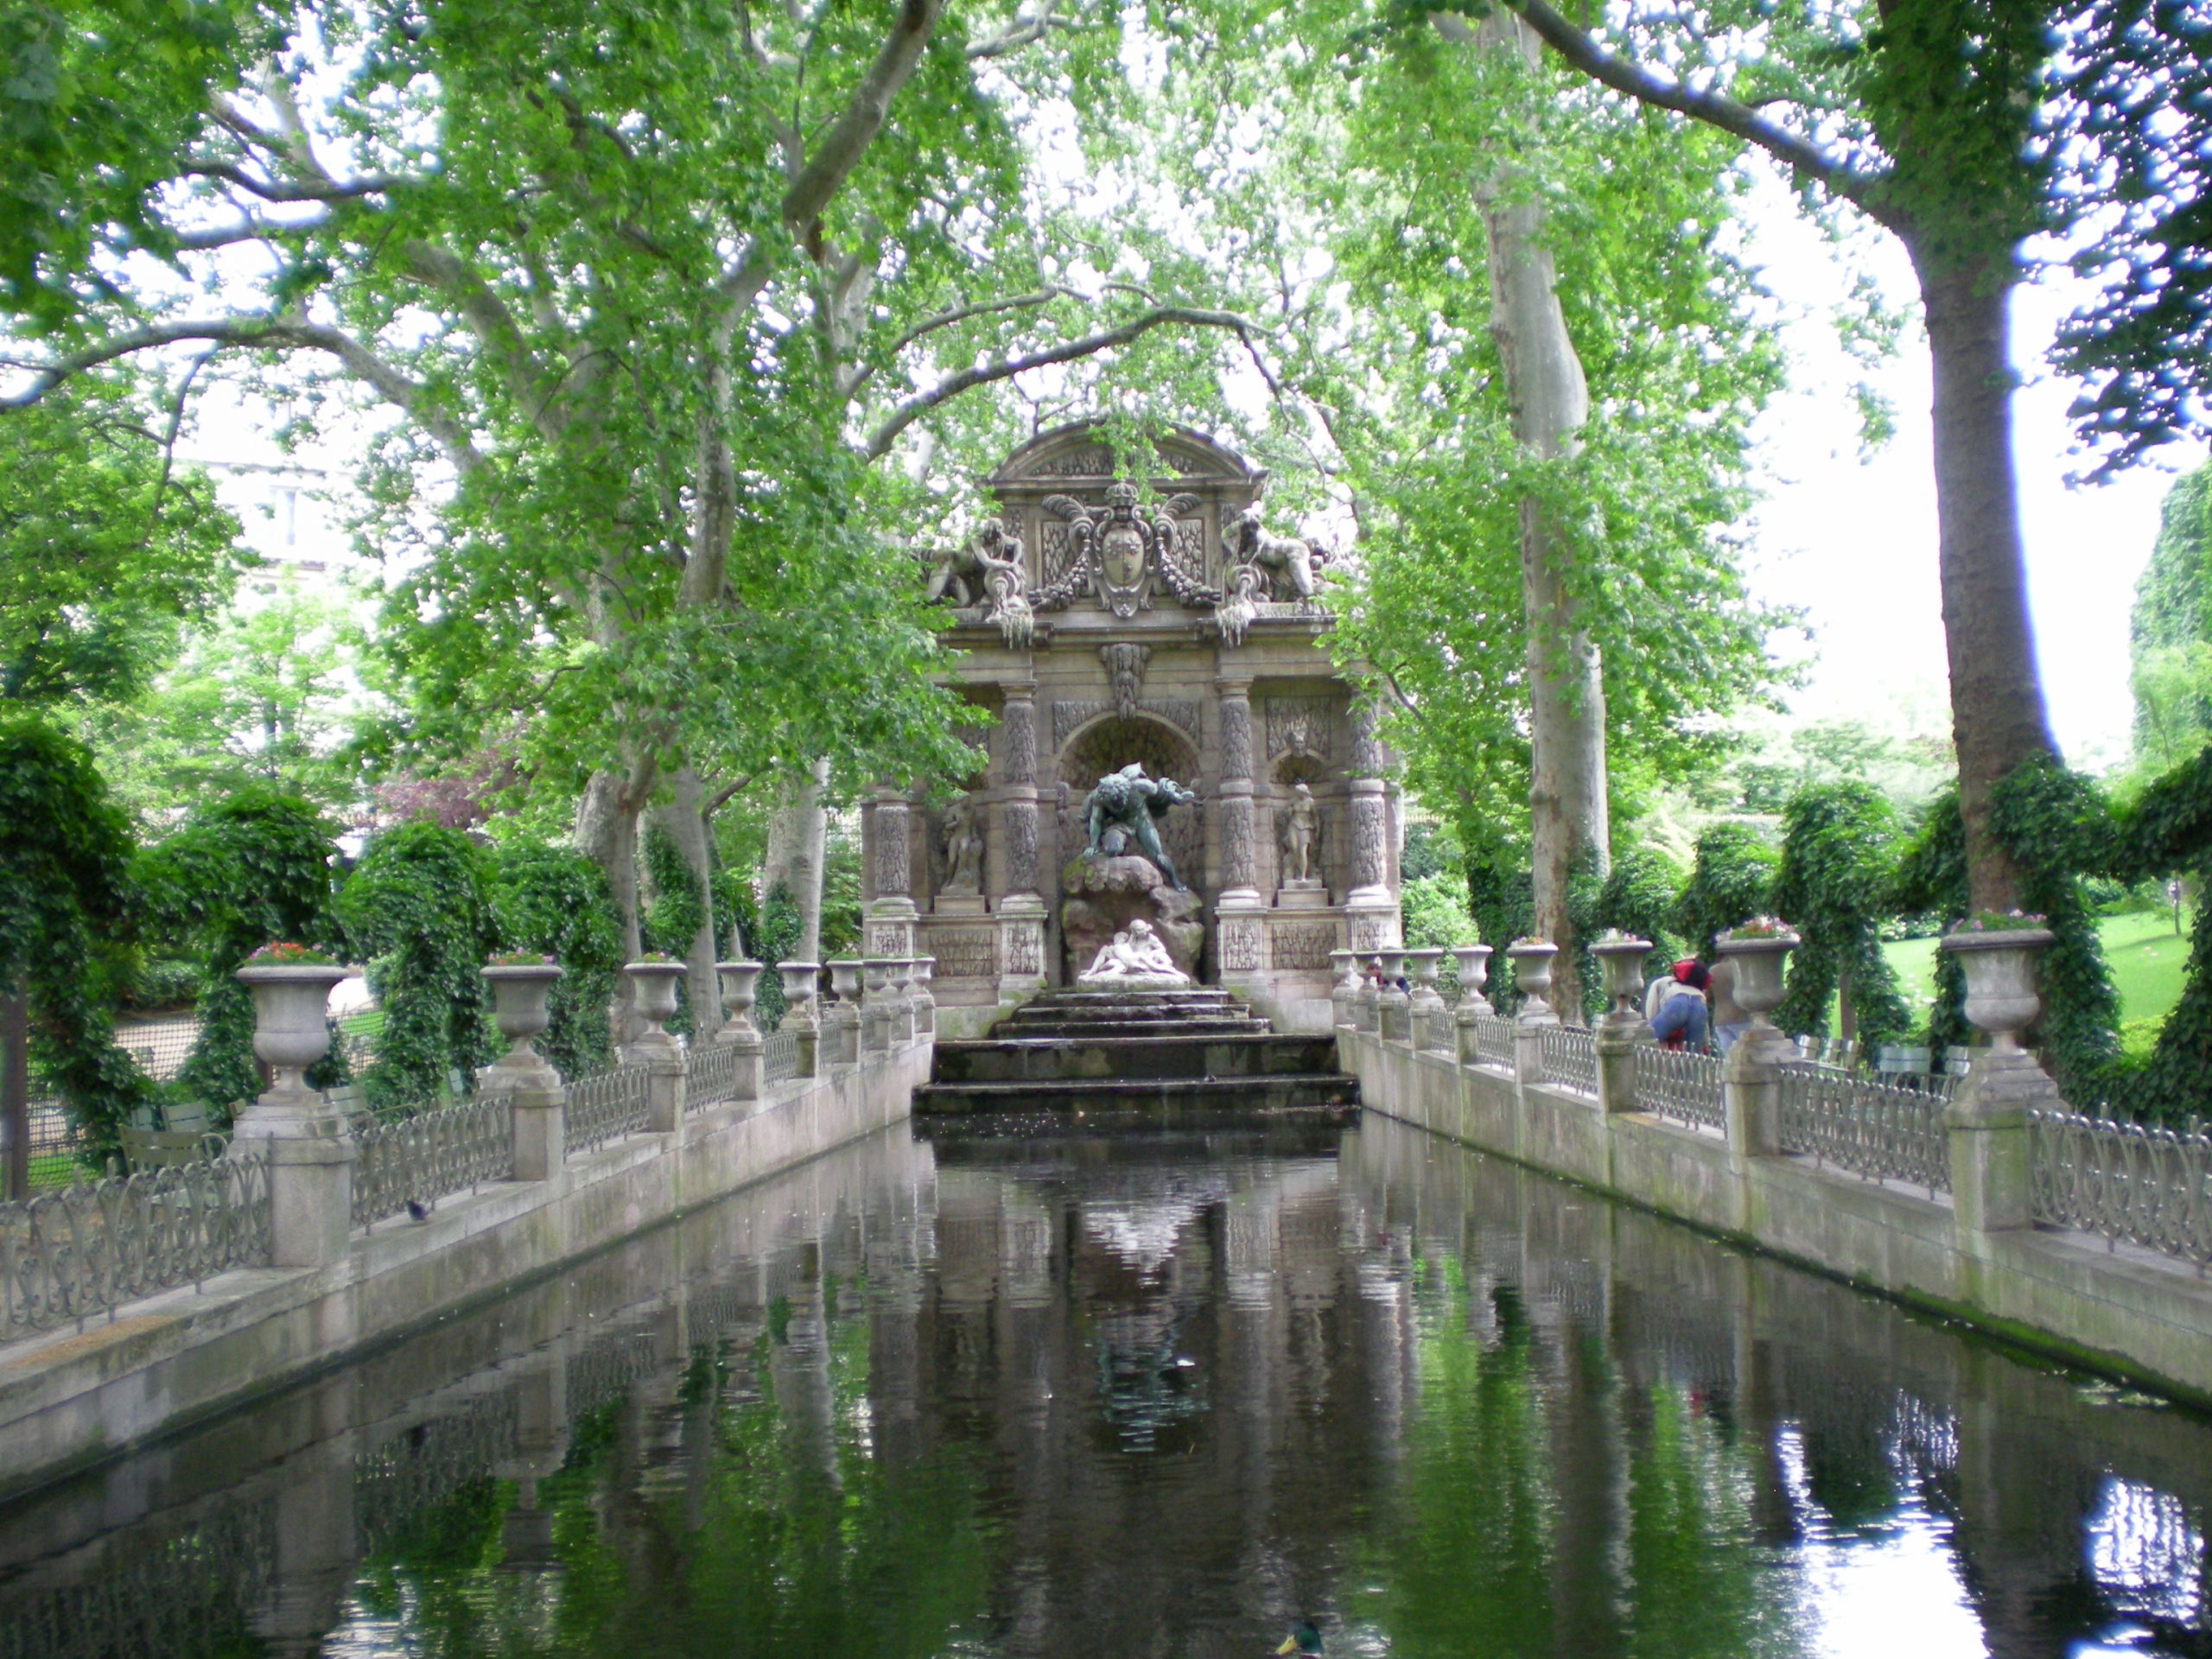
pixel 1714 109
pixel 1068 351
pixel 929 325
pixel 263 333
pixel 1020 32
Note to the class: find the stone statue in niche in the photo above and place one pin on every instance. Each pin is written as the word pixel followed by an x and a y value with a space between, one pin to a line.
pixel 1301 837
pixel 963 850
pixel 1286 564
pixel 1123 809
pixel 1135 959
pixel 990 571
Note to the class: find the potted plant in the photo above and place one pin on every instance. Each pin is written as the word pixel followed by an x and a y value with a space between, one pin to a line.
pixel 1759 947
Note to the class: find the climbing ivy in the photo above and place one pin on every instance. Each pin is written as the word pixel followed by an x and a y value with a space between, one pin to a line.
pixel 772 939
pixel 241 871
pixel 1732 877
pixel 549 899
pixel 2167 829
pixel 1931 879
pixel 1643 895
pixel 65 853
pixel 670 921
pixel 2057 826
pixel 1838 871
pixel 419 905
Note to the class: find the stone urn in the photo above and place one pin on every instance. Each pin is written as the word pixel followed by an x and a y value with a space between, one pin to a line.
pixel 1344 971
pixel 652 997
pixel 519 993
pixel 1392 961
pixel 1759 962
pixel 845 981
pixel 2000 968
pixel 799 980
pixel 1474 973
pixel 1532 976
pixel 291 1032
pixel 1620 963
pixel 741 984
pixel 1423 968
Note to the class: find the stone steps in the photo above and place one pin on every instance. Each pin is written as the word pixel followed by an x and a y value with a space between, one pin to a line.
pixel 1199 1056
pixel 1152 1097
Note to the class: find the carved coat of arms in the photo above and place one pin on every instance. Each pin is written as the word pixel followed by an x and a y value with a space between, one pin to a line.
pixel 1118 553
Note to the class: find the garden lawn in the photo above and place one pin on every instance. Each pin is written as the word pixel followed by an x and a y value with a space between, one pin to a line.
pixel 2147 960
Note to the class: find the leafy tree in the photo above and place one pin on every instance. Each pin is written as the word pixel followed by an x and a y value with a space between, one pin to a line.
pixel 64 857
pixel 420 906
pixel 267 695
pixel 1642 895
pixel 107 549
pixel 1732 879
pixel 553 900
pixel 1435 910
pixel 1921 115
pixel 243 870
pixel 1838 870
pixel 2169 631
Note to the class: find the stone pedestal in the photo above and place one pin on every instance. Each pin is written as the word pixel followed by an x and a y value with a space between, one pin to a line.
pixel 539 1121
pixel 652 995
pixel 1750 1077
pixel 925 1000
pixel 967 906
pixel 1309 895
pixel 1393 1008
pixel 876 1005
pixel 1988 1122
pixel 1021 946
pixel 841 1020
pixel 799 1016
pixel 1474 973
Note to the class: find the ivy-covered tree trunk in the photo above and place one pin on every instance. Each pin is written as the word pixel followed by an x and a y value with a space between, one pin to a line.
pixel 606 834
pixel 798 845
pixel 1550 399
pixel 1998 718
pixel 683 819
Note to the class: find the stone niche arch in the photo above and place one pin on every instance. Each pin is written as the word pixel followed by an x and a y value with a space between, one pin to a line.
pixel 1107 744
pixel 1302 766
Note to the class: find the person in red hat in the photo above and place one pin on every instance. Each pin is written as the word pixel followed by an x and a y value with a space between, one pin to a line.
pixel 1680 1018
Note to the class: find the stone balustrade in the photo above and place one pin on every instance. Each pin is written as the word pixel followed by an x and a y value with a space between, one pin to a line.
pixel 1994 1199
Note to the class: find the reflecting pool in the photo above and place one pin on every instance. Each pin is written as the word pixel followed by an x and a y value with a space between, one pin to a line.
pixel 1142 1397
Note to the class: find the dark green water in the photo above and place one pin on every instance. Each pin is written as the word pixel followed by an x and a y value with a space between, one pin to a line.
pixel 1143 1398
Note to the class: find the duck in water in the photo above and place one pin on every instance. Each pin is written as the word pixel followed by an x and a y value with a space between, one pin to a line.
pixel 1303 1638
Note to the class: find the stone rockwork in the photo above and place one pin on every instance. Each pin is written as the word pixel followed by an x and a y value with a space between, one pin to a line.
pixel 1104 895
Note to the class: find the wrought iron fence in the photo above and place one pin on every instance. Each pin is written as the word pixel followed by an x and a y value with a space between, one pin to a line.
pixel 1677 1084
pixel 606 1106
pixel 782 1058
pixel 2126 1182
pixel 197 1589
pixel 82 1250
pixel 423 1158
pixel 1877 1130
pixel 397 1481
pixel 1566 1057
pixel 1494 1040
pixel 713 1077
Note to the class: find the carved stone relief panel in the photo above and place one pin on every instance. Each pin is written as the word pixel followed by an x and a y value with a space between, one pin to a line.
pixel 1303 945
pixel 1181 713
pixel 965 952
pixel 1300 726
pixel 1239 946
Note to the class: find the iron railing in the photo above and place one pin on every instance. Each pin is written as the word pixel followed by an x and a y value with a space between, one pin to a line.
pixel 423 1158
pixel 713 1076
pixel 782 1058
pixel 1876 1130
pixel 2126 1182
pixel 1494 1040
pixel 606 1106
pixel 87 1249
pixel 1677 1084
pixel 1566 1057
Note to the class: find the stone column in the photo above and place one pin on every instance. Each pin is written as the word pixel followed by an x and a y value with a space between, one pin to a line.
pixel 1532 977
pixel 1991 1150
pixel 1621 1028
pixel 1022 911
pixel 1431 1018
pixel 1370 908
pixel 310 1156
pixel 876 1005
pixel 652 995
pixel 925 1000
pixel 1750 1077
pixel 1474 973
pixel 891 913
pixel 841 1020
pixel 1237 928
pixel 799 1017
pixel 537 1099
pixel 1393 1008
pixel 740 983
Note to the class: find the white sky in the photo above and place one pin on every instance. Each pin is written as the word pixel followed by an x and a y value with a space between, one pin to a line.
pixel 1853 543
